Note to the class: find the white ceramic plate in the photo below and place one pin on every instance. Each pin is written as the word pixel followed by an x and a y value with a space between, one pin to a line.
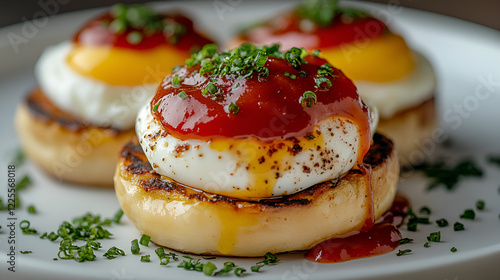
pixel 466 57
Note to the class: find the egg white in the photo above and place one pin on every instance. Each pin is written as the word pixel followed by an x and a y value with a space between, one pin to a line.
pixel 411 90
pixel 210 170
pixel 91 100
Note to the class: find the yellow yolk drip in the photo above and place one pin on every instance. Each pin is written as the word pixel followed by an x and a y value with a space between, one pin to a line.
pixel 264 161
pixel 231 223
pixel 125 67
pixel 381 59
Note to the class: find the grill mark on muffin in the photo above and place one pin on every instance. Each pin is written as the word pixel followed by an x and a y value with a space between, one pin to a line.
pixel 43 109
pixel 135 163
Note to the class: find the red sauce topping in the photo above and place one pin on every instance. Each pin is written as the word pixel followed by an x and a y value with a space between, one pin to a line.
pixel 97 32
pixel 290 30
pixel 269 108
pixel 382 238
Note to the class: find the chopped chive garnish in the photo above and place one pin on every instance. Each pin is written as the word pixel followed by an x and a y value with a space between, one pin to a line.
pixel 315 52
pixel 19 158
pixel 468 214
pixel 425 210
pixel 113 252
pixel 239 271
pixel 427 245
pixel 308 99
pixel 164 261
pixel 25 227
pixel 290 75
pixel 403 252
pixel 494 159
pixel 32 209
pixel 453 249
pixel 134 37
pixel 449 176
pixel 458 226
pixel 233 108
pixel 270 259
pixel 135 247
pixel 209 268
pixel 434 237
pixel 256 268
pixel 176 81
pixel 155 107
pixel 25 252
pixel 24 183
pixel 160 252
pixel 480 204
pixel 146 258
pixel 442 222
pixel 323 83
pixel 182 95
pixel 405 240
pixel 176 68
pixel 228 266
pixel 117 216
pixel 145 240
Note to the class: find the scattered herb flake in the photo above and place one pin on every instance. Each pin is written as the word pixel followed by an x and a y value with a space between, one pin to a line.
pixel 145 240
pixel 434 237
pixel 117 216
pixel 403 252
pixel 32 209
pixel 25 252
pixel 458 226
pixel 442 222
pixel 425 210
pixel 453 249
pixel 405 240
pixel 24 225
pixel 182 95
pixel 449 176
pixel 233 108
pixel 269 259
pixel 113 252
pixel 146 258
pixel 23 184
pixel 256 268
pixel 427 245
pixel 494 159
pixel 134 248
pixel 480 204
pixel 290 75
pixel 468 214
pixel 209 268
pixel 239 271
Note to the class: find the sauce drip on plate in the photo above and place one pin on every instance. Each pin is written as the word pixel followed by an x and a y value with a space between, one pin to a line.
pixel 382 238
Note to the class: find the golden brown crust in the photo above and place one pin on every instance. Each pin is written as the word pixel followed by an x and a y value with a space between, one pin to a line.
pixel 408 129
pixel 65 147
pixel 194 221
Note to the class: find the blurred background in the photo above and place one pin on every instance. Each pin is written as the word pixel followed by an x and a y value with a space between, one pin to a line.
pixel 484 12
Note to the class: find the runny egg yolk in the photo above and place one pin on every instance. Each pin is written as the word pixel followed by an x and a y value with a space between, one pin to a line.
pixel 123 66
pixel 264 161
pixel 380 59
